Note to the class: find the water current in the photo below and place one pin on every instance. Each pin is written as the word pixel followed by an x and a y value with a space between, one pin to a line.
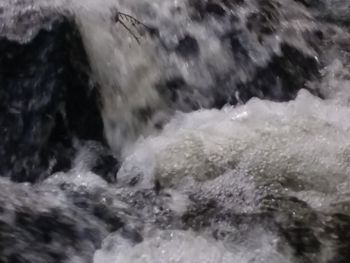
pixel 261 180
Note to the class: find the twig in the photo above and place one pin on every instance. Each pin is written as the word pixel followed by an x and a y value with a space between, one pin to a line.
pixel 119 16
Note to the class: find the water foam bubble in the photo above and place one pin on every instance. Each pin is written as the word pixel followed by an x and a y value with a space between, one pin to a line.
pixel 305 139
pixel 186 246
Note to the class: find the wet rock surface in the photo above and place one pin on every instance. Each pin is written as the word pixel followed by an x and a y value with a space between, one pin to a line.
pixel 47 99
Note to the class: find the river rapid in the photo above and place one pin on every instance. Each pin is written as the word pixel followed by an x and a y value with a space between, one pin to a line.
pixel 239 159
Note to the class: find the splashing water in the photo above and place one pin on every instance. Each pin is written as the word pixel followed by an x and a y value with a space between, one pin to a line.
pixel 260 182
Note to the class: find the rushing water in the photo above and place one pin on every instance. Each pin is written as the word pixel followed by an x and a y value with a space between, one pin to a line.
pixel 260 181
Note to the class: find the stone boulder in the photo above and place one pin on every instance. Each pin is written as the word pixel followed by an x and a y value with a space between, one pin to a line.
pixel 47 98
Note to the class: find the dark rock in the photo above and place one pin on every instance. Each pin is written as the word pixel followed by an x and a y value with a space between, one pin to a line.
pixel 46 99
pixel 100 160
pixel 107 167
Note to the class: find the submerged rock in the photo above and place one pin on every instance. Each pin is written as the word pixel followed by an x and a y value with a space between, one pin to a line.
pixel 46 99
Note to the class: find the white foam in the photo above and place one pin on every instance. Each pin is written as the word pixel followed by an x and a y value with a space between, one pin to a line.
pixel 187 247
pixel 306 139
pixel 301 146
